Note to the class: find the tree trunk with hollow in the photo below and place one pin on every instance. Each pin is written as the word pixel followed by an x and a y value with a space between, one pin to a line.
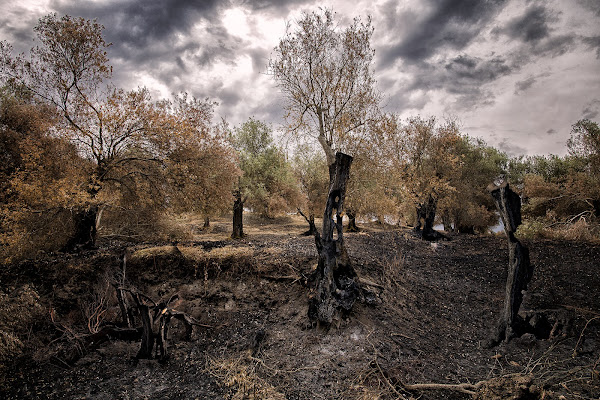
pixel 334 283
pixel 520 269
pixel 238 215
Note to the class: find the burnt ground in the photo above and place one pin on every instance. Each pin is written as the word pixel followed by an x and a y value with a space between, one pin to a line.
pixel 439 305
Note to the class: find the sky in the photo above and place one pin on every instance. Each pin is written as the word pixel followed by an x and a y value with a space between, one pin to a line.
pixel 516 73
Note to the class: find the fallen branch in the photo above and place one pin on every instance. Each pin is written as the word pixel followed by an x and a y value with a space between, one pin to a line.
pixel 467 388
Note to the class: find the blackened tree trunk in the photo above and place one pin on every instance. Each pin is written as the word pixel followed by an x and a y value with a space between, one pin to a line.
pixel 206 222
pixel 426 219
pixel 352 222
pixel 238 215
pixel 334 282
pixel 520 269
pixel 85 233
pixel 312 228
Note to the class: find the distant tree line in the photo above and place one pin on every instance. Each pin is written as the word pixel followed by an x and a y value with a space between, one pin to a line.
pixel 80 157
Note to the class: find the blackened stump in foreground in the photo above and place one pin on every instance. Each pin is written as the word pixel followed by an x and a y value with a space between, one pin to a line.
pixel 520 269
pixel 334 282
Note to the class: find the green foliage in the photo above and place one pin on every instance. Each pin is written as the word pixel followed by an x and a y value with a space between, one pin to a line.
pixel 268 184
pixel 311 171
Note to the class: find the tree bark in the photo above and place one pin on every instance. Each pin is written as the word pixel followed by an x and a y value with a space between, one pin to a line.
pixel 520 269
pixel 238 215
pixel 334 282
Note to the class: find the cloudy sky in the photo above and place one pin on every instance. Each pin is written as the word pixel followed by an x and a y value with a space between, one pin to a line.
pixel 517 73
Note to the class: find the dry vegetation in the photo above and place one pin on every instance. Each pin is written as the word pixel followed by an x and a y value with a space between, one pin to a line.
pixel 426 339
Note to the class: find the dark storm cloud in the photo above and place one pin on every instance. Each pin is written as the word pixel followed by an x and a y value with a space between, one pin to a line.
pixel 532 26
pixel 463 76
pixel 452 24
pixel 142 23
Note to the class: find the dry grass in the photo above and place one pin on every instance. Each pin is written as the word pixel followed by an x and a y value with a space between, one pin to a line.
pixel 241 377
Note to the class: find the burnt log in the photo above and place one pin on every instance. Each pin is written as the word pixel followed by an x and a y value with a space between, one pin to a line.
pixel 520 270
pixel 334 284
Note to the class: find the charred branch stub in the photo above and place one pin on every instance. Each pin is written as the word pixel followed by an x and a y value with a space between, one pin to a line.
pixel 520 269
pixel 334 282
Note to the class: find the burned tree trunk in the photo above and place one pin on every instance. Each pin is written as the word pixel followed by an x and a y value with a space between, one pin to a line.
pixel 238 215
pixel 85 233
pixel 312 229
pixel 334 282
pixel 426 219
pixel 520 269
pixel 352 222
pixel 155 320
pixel 206 222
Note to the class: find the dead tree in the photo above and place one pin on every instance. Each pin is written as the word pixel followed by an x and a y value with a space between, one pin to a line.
pixel 312 228
pixel 334 283
pixel 155 319
pixel 520 269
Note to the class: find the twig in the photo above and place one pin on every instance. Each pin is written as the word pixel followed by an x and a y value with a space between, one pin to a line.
pixel 581 335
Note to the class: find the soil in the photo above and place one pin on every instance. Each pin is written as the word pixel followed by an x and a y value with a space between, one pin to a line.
pixel 439 304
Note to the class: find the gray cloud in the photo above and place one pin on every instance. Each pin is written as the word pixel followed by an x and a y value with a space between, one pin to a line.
pixel 592 5
pixel 523 85
pixel 551 132
pixel 511 148
pixel 593 42
pixel 532 26
pixel 453 24
pixel 142 23
pixel 591 109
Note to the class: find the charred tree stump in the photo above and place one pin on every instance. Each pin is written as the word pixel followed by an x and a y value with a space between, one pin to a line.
pixel 520 269
pixel 238 215
pixel 334 282
pixel 206 222
pixel 155 320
